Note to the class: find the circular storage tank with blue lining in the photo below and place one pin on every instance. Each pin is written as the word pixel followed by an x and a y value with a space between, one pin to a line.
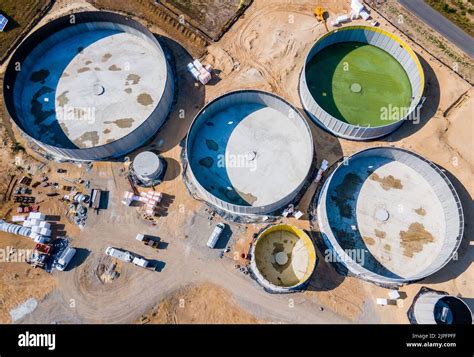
pixel 249 152
pixel 89 86
pixel 389 216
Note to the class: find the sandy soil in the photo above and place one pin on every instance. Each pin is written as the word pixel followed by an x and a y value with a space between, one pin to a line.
pixel 250 56
pixel 196 305
pixel 18 280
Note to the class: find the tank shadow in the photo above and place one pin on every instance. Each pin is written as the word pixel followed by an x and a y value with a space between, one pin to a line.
pixel 326 145
pixel 325 277
pixel 188 98
pixel 173 169
pixel 430 107
pixel 465 253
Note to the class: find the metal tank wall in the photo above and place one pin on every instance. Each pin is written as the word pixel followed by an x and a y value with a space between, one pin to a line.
pixel 268 286
pixel 442 187
pixel 61 28
pixel 233 98
pixel 424 307
pixel 376 37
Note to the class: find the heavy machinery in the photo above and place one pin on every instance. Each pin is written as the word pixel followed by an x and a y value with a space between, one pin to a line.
pixel 40 255
pixel 319 13
pixel 147 240
pixel 128 257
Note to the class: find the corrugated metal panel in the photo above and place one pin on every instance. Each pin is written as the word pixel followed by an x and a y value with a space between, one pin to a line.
pixel 232 98
pixel 376 37
pixel 49 35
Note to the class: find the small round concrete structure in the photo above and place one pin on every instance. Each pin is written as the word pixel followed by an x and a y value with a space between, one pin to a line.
pixel 361 82
pixel 91 86
pixel 248 152
pixel 147 167
pixel 389 216
pixel 283 258
pixel 432 307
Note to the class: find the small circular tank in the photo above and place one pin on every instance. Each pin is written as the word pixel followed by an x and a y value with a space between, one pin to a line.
pixel 148 167
pixel 282 258
pixel 433 307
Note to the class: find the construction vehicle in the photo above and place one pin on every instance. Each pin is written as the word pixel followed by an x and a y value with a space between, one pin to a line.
pixel 40 255
pixel 147 240
pixel 65 257
pixel 215 235
pixel 128 257
pixel 319 13
pixel 95 198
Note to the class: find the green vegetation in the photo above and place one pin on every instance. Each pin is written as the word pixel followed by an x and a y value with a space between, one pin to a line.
pixel 460 12
pixel 20 15
pixel 357 82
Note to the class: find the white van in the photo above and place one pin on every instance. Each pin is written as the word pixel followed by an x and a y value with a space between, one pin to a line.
pixel 216 233
pixel 65 258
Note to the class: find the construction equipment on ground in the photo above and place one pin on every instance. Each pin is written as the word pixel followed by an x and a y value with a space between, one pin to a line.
pixel 40 255
pixel 128 257
pixel 319 13
pixel 147 240
pixel 95 198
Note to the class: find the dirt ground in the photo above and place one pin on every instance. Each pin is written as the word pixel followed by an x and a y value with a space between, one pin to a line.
pixel 247 56
pixel 20 17
pixel 196 305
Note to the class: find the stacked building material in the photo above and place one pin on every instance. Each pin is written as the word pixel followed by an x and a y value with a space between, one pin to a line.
pixel 40 230
pixel 149 198
pixel 199 72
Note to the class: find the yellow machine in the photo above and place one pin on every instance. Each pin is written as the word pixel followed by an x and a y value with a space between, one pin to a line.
pixel 319 13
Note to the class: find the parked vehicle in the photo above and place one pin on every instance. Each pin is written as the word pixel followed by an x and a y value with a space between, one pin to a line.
pixel 128 257
pixel 147 240
pixel 215 235
pixel 65 257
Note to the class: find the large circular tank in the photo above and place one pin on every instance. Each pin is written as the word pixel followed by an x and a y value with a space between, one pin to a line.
pixel 89 86
pixel 389 216
pixel 433 307
pixel 361 82
pixel 249 152
pixel 282 258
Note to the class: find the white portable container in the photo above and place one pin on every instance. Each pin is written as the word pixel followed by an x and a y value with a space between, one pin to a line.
pixel 215 235
pixel 65 258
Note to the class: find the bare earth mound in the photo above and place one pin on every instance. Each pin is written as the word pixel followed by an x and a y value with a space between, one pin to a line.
pixel 198 304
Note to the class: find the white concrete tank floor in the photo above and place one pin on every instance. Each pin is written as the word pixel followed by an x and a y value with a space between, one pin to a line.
pixel 249 152
pixel 396 210
pixel 96 88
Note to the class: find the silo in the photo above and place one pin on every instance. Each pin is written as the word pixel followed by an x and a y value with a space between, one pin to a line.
pixel 148 168
pixel 248 153
pixel 389 216
pixel 283 258
pixel 89 86
pixel 435 307
pixel 361 82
